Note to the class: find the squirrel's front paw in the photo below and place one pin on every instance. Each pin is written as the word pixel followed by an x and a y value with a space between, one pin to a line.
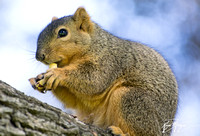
pixel 37 83
pixel 53 78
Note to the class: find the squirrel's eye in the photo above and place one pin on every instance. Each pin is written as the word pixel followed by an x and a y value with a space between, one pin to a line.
pixel 62 33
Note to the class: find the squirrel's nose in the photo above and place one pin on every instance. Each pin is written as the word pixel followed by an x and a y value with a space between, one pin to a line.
pixel 40 56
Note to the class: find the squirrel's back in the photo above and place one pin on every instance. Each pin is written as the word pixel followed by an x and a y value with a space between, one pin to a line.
pixel 145 71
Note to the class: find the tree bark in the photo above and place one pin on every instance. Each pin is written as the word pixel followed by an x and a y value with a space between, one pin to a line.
pixel 21 115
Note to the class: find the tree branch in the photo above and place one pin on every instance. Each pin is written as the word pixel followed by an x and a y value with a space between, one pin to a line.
pixel 22 115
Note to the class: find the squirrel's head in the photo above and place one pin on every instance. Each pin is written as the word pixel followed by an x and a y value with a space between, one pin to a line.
pixel 65 39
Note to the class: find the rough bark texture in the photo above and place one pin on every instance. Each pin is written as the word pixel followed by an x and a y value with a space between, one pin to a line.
pixel 22 115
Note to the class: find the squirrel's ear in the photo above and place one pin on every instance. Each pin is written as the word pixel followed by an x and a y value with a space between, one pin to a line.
pixel 53 18
pixel 82 20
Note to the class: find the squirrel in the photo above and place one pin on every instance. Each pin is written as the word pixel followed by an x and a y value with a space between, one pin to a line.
pixel 112 83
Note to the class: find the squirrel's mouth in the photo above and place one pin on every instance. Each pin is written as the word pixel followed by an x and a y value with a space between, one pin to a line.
pixel 61 63
pixel 49 61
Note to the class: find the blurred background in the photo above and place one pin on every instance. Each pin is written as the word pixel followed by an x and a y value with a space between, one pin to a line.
pixel 172 27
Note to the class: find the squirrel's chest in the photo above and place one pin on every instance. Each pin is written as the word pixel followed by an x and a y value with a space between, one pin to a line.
pixel 102 110
pixel 71 99
pixel 66 97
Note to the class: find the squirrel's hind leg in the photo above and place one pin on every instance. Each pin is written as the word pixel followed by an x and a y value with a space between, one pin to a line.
pixel 140 112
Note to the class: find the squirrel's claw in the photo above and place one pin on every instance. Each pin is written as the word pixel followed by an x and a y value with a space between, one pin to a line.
pixel 35 83
pixel 116 131
pixel 52 78
pixel 39 82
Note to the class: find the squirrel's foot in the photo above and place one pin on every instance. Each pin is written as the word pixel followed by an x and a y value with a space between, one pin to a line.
pixel 116 131
pixel 53 78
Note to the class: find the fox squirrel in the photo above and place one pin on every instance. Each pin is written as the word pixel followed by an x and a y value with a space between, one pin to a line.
pixel 110 82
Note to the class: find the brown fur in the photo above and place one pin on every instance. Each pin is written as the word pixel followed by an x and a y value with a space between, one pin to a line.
pixel 107 80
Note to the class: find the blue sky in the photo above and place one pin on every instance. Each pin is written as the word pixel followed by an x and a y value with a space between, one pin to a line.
pixel 22 21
